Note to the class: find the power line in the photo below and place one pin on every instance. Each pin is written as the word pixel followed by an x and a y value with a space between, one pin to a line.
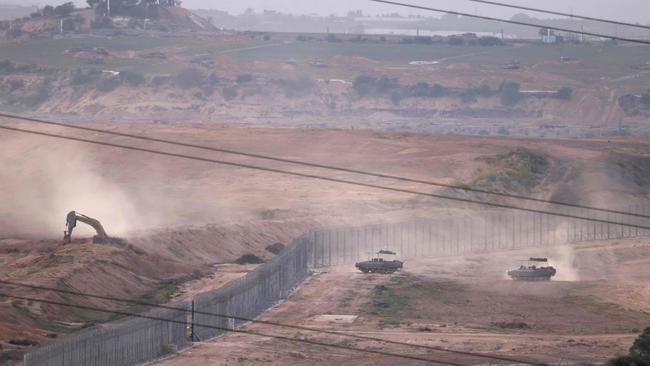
pixel 526 24
pixel 601 20
pixel 328 179
pixel 316 165
pixel 290 339
pixel 290 326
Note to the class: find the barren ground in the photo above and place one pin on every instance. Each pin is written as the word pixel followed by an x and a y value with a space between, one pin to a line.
pixel 183 218
pixel 458 303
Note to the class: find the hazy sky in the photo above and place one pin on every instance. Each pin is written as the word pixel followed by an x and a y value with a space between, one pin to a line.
pixel 626 10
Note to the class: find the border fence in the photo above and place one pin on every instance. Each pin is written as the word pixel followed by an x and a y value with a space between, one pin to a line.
pixel 138 340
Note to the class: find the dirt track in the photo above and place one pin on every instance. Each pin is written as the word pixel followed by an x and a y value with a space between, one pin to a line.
pixel 460 303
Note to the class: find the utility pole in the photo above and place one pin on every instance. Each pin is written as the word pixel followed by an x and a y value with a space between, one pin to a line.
pixel 61 26
pixel 108 8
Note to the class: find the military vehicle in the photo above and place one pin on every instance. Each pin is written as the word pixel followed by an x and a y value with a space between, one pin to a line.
pixel 535 269
pixel 380 264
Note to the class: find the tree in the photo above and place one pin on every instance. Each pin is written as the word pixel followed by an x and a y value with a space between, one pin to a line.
pixel 640 350
pixel 189 78
pixel 639 354
pixel 546 32
pixel 510 92
pixel 564 93
pixel 64 10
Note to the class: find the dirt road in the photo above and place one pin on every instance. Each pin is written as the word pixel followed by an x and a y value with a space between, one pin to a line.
pixel 458 303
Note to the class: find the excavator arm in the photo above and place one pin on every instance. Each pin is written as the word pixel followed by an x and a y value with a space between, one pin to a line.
pixel 71 223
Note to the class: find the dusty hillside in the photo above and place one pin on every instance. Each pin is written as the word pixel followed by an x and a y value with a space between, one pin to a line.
pixel 278 79
pixel 181 218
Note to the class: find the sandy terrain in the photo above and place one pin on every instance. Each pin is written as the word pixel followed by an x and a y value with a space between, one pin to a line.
pixel 182 218
pixel 459 303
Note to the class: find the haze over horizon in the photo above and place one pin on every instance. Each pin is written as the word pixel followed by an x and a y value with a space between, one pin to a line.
pixel 625 10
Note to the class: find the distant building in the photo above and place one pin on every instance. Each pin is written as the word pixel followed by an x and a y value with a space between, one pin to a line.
pixel 550 39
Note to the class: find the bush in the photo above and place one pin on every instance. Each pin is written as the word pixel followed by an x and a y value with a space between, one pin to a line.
pixel 6 67
pixel 64 10
pixel 473 92
pixel 297 87
pixel 645 98
pixel 189 78
pixel 455 41
pixel 490 41
pixel 424 90
pixel 364 85
pixel 230 93
pixel 639 354
pixel 106 85
pixel 386 84
pixel 249 258
pixel 510 92
pixel 102 22
pixel 132 78
pixel 333 38
pixel 36 98
pixel 641 347
pixel 15 85
pixel 244 78
pixel 564 93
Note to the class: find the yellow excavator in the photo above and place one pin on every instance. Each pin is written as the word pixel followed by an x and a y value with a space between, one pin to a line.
pixel 71 223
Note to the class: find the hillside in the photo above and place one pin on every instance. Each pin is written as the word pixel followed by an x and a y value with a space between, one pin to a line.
pixel 558 91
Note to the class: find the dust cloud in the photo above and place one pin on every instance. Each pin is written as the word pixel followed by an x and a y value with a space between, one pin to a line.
pixel 42 180
pixel 41 183
pixel 563 259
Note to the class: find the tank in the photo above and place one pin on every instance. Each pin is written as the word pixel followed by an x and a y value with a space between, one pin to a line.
pixel 380 264
pixel 535 269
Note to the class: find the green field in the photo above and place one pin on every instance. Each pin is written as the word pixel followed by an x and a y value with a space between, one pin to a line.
pixel 595 61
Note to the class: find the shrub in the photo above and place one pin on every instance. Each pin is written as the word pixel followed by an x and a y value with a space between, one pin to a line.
pixel 455 41
pixel 106 85
pixel 424 90
pixel 132 78
pixel 189 78
pixel 639 354
pixel 473 92
pixel 364 85
pixel 230 93
pixel 641 347
pixel 490 41
pixel 564 93
pixel 510 92
pixel 333 38
pixel 244 78
pixel 297 87
pixel 6 67
pixel 37 98
pixel 386 84
pixel 102 22
pixel 15 85
pixel 64 10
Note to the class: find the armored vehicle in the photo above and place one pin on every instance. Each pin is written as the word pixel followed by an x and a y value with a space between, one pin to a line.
pixel 380 264
pixel 535 269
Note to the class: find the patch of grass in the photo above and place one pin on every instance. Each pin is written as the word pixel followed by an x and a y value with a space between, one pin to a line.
pixel 160 295
pixel 519 171
pixel 389 305
pixel 392 302
pixel 23 342
pixel 610 309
